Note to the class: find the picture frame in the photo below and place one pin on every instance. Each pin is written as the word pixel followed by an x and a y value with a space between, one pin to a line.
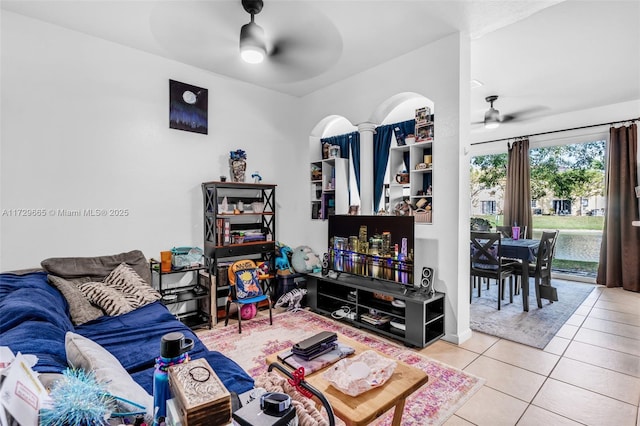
pixel 188 107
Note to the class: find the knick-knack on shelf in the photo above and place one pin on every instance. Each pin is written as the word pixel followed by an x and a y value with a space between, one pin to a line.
pixel 237 165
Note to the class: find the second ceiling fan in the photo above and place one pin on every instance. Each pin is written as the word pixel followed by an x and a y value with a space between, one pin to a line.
pixel 493 119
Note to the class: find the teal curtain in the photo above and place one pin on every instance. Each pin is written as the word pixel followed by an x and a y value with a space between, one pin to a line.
pixel 381 145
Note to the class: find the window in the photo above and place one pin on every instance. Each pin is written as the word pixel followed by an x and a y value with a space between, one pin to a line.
pixel 488 207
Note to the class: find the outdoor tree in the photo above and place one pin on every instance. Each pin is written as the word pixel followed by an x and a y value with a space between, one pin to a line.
pixel 488 172
pixel 566 172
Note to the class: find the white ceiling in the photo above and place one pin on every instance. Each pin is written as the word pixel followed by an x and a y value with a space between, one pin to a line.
pixel 540 57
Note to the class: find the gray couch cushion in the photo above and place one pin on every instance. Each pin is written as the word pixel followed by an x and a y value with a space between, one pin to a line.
pixel 97 267
pixel 80 308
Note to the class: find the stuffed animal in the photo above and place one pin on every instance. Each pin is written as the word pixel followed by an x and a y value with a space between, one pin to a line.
pixel 292 299
pixel 283 267
pixel 303 260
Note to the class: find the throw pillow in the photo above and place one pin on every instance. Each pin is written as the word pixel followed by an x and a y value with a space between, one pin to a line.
pixel 127 280
pixel 90 356
pixel 80 308
pixel 112 301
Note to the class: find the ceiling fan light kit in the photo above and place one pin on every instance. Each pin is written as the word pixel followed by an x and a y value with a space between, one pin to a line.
pixel 253 48
pixel 492 116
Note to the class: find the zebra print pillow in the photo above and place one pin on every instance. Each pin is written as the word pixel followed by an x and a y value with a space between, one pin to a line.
pixel 110 300
pixel 125 279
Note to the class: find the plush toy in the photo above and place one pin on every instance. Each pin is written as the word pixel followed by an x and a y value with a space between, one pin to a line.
pixel 263 268
pixel 303 260
pixel 283 267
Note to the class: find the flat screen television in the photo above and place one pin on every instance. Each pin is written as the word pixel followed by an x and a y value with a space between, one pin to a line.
pixel 379 247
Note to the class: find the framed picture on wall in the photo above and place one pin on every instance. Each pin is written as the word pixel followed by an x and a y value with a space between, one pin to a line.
pixel 188 107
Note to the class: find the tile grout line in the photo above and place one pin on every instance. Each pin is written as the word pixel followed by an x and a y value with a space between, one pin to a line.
pixel 560 357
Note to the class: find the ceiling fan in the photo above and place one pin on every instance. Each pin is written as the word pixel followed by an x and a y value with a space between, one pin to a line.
pixel 303 46
pixel 493 119
pixel 253 46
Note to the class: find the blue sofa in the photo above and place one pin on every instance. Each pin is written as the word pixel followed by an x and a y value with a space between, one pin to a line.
pixel 34 317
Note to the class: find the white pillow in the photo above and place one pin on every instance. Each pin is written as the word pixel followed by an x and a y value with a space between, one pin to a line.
pixel 83 353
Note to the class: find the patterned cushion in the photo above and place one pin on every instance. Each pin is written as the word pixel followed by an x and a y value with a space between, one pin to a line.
pixel 113 302
pixel 243 274
pixel 126 279
pixel 80 308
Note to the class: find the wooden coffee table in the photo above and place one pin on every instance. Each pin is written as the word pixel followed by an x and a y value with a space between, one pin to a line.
pixel 366 407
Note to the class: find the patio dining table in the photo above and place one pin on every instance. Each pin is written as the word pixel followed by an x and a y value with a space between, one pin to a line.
pixel 525 250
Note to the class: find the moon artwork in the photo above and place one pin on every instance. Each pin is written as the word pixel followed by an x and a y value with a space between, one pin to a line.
pixel 188 107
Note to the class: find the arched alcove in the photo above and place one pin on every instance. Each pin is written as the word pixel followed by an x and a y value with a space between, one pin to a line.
pixel 398 107
pixel 343 188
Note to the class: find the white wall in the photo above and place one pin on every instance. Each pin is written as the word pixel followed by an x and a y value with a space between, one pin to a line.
pixel 85 125
pixel 440 72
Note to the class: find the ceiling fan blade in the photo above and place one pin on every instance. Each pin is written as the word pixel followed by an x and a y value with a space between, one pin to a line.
pixel 518 115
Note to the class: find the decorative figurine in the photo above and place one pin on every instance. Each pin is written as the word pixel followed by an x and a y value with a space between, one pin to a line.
pixel 256 177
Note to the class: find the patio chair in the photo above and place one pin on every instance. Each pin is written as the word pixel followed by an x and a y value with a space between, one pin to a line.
pixel 487 263
pixel 541 270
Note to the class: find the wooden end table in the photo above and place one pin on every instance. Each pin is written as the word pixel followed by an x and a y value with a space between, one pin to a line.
pixel 366 407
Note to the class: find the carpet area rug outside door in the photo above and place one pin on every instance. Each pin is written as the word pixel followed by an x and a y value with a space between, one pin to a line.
pixel 534 328
pixel 447 389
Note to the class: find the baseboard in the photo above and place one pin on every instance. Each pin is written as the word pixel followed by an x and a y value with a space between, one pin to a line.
pixel 457 339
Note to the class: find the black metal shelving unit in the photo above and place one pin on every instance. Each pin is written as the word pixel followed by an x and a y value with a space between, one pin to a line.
pixel 196 295
pixel 219 248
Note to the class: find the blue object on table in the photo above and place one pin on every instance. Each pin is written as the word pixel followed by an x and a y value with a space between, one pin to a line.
pixel 173 350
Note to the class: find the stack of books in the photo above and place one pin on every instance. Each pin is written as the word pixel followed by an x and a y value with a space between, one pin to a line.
pixel 377 320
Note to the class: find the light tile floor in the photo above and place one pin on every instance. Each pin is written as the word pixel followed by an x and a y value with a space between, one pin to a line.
pixel 588 374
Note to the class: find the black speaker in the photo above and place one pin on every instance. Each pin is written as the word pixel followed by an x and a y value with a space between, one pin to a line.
pixel 325 264
pixel 427 280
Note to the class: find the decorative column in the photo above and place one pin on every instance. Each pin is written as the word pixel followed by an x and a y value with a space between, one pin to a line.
pixel 366 131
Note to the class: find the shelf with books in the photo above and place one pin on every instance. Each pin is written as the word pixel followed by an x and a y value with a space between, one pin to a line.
pixel 329 187
pixel 239 222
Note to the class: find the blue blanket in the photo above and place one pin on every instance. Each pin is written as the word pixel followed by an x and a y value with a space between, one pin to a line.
pixel 34 318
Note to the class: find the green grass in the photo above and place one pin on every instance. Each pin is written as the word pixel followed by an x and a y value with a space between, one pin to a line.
pixel 558 222
pixel 575 266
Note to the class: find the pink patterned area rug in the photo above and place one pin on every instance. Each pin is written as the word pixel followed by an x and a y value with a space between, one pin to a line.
pixel 447 389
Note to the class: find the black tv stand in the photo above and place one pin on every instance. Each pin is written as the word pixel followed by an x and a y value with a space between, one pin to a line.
pixel 422 316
